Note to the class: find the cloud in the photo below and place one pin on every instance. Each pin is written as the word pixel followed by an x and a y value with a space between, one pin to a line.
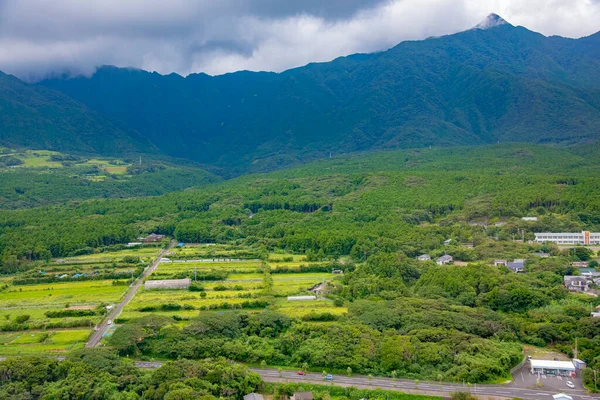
pixel 42 37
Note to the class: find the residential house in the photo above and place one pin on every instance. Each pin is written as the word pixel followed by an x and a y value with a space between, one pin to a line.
pixel 254 396
pixel 517 265
pixel 444 260
pixel 498 263
pixel 424 257
pixel 153 238
pixel 576 283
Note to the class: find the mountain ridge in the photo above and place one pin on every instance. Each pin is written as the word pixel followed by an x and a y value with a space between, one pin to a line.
pixel 474 87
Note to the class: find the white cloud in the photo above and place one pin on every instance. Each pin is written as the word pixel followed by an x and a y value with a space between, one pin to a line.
pixel 38 37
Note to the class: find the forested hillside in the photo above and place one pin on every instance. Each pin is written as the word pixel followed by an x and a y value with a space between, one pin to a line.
pixel 481 86
pixel 37 177
pixel 36 117
pixel 335 206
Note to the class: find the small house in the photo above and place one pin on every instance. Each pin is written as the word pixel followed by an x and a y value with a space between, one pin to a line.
pixel 576 283
pixel 424 257
pixel 444 260
pixel 517 265
pixel 254 396
pixel 153 238
pixel 529 218
pixel 498 263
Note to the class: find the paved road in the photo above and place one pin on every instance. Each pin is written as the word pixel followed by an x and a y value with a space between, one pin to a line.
pixel 431 388
pixel 114 313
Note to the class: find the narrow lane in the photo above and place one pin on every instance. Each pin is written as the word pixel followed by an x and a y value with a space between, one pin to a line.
pixel 114 313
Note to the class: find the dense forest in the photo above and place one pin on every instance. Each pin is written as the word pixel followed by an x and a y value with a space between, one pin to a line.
pixel 100 374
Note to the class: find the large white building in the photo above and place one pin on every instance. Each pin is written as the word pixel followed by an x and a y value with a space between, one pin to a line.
pixel 584 238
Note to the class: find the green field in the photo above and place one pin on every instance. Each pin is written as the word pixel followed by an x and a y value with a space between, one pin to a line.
pixel 36 342
pixel 245 282
pixel 38 301
pixel 44 159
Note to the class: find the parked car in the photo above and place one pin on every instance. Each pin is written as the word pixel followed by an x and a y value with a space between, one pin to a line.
pixel 570 385
pixel 301 373
pixel 109 322
pixel 329 377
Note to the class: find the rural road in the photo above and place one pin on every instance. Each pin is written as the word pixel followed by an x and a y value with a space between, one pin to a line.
pixel 406 386
pixel 114 313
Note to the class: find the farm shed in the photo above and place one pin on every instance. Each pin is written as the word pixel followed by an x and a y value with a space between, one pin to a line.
pixel 168 284
pixel 296 298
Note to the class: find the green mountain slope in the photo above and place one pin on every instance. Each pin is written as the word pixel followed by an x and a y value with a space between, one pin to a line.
pixel 476 87
pixel 38 117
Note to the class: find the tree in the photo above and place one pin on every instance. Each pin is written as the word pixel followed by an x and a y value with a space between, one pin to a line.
pixel 349 371
pixel 126 338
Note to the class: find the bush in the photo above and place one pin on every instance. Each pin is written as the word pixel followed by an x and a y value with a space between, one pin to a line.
pixel 20 319
pixel 196 287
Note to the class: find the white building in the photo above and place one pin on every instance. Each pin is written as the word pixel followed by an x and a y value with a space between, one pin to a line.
pixel 424 257
pixel 168 284
pixel 565 368
pixel 529 218
pixel 583 238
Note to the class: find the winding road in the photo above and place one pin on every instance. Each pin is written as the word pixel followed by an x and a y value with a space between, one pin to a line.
pixel 103 327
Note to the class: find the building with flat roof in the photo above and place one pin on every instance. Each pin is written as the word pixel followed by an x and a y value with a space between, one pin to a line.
pixel 168 284
pixel 583 238
pixel 301 298
pixel 551 367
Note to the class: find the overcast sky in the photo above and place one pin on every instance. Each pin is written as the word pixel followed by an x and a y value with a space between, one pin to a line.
pixel 40 37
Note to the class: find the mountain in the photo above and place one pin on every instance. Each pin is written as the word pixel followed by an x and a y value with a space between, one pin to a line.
pixel 494 83
pixel 41 118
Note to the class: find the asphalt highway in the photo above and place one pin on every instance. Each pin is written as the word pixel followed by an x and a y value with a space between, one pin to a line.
pixel 402 385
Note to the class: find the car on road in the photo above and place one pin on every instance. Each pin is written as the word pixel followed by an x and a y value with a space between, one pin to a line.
pixel 570 385
pixel 109 322
pixel 301 373
pixel 329 377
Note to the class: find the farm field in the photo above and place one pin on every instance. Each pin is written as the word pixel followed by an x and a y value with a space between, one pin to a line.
pixel 54 159
pixel 64 295
pixel 36 342
pixel 244 285
pixel 145 254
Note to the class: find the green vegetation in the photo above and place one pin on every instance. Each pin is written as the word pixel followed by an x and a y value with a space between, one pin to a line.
pixel 40 177
pixel 265 237
pixel 99 374
pixel 474 87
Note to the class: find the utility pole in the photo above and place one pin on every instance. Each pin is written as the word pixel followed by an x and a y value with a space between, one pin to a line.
pixel 595 384
pixel 575 352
